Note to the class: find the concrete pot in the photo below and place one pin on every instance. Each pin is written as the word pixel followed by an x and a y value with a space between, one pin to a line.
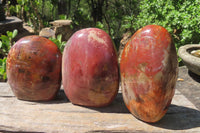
pixel 192 62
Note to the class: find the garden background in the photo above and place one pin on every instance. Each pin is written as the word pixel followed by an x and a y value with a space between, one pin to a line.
pixel 117 17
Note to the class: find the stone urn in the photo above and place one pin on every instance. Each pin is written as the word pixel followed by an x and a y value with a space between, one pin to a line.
pixel 190 55
pixel 2 11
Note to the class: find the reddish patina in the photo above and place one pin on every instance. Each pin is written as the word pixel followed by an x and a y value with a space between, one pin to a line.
pixel 90 69
pixel 34 68
pixel 148 73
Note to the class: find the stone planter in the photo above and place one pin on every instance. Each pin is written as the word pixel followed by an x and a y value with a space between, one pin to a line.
pixel 192 62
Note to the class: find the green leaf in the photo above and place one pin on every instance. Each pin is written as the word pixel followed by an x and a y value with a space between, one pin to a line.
pixel 9 34
pixel 4 38
pixel 59 38
pixel 3 68
pixel 99 25
pixel 26 8
pixel 23 2
pixel 62 16
pixel 4 76
pixel 18 8
pixel 0 44
pixel 14 34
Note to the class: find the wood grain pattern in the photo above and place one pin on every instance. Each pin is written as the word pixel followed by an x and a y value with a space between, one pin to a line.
pixel 60 115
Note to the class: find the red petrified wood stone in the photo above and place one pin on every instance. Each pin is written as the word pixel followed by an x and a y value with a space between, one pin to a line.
pixel 90 69
pixel 149 72
pixel 34 68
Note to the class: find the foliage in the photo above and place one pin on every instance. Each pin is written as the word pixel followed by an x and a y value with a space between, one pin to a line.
pixel 3 69
pixel 37 13
pixel 29 11
pixel 179 17
pixel 62 16
pixel 6 42
pixel 5 45
pixel 58 41
pixel 116 14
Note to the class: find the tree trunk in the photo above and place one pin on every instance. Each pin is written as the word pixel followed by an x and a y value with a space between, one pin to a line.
pixel 62 7
pixel 69 8
pixel 97 10
pixel 2 13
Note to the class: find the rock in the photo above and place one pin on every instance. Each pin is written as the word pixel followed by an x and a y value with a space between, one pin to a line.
pixel 62 27
pixel 47 32
pixel 10 24
pixel 148 70
pixel 90 69
pixel 28 28
pixel 58 23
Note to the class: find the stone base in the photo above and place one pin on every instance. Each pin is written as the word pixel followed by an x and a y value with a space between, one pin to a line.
pixel 10 24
